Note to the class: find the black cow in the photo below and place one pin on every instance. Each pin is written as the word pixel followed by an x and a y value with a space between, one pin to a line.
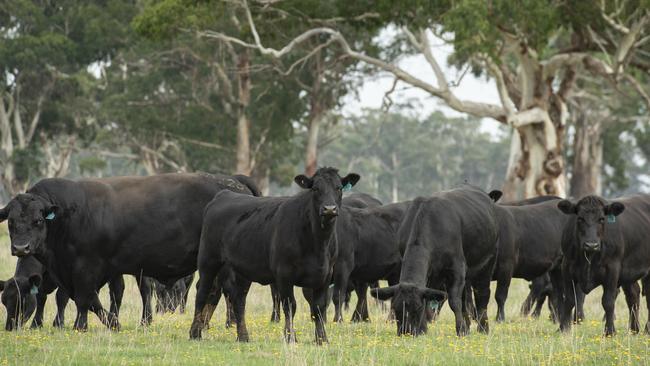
pixel 288 241
pixel 606 244
pixel 26 293
pixel 91 230
pixel 450 238
pixel 529 244
pixel 170 298
pixel 357 200
pixel 368 251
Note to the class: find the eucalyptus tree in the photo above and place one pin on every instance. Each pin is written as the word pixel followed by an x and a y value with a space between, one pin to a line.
pixel 532 49
pixel 45 50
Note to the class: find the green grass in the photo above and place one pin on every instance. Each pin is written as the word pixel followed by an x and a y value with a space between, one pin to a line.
pixel 518 341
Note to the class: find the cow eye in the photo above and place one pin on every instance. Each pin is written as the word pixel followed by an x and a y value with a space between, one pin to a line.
pixel 601 220
pixel 581 220
pixel 38 222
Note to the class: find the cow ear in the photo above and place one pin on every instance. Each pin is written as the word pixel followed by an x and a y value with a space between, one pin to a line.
pixel 614 209
pixel 495 195
pixel 350 179
pixel 35 280
pixel 567 207
pixel 384 293
pixel 4 213
pixel 431 294
pixel 303 181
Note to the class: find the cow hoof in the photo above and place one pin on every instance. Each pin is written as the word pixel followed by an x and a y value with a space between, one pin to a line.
pixel 243 338
pixel 36 325
pixel 195 333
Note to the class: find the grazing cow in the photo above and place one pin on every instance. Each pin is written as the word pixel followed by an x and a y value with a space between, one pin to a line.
pixel 91 230
pixel 26 293
pixel 289 241
pixel 368 251
pixel 451 237
pixel 606 244
pixel 169 298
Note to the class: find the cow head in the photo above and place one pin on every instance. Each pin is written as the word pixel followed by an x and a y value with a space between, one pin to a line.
pixel 19 297
pixel 593 214
pixel 409 303
pixel 28 215
pixel 326 191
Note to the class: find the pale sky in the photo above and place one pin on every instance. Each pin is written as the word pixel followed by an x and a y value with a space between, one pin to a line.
pixel 372 91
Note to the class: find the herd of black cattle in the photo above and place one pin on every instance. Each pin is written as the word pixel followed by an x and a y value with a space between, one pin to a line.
pixel 79 235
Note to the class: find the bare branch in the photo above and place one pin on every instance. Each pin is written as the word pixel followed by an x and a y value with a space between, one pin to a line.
pixel 474 108
pixel 639 88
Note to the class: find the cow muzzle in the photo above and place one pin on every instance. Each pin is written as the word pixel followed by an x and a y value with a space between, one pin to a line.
pixel 20 250
pixel 329 211
pixel 591 246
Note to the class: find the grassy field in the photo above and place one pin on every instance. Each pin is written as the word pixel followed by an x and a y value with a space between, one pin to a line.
pixel 518 341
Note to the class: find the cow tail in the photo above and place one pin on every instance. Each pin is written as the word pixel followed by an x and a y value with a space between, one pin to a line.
pixel 249 183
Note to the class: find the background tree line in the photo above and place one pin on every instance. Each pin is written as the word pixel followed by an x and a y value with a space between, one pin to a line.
pixel 120 87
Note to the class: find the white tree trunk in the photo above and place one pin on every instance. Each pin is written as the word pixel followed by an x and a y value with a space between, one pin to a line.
pixel 243 124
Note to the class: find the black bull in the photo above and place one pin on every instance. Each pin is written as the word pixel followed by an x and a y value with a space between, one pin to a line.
pixel 91 230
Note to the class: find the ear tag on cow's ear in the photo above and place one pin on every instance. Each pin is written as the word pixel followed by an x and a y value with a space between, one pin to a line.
pixel 347 187
pixel 433 304
pixel 34 290
pixel 50 216
pixel 611 218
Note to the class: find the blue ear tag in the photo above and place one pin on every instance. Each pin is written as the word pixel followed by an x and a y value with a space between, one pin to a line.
pixel 50 216
pixel 34 290
pixel 347 187
pixel 433 304
pixel 611 219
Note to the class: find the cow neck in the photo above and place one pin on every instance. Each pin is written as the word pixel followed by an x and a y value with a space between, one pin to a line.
pixel 416 265
pixel 321 234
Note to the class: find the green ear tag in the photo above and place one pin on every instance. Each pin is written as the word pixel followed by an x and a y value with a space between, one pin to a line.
pixel 34 290
pixel 433 304
pixel 611 219
pixel 347 187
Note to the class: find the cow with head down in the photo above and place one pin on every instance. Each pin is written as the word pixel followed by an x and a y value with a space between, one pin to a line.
pixel 450 240
pixel 606 244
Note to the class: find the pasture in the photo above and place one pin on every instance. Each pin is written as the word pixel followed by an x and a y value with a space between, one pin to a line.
pixel 518 341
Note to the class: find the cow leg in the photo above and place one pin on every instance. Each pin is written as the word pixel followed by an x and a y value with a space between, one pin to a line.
pixel 107 318
pixel 501 294
pixel 456 295
pixel 61 303
pixel 646 286
pixel 361 310
pixel 318 309
pixel 579 314
pixel 481 288
pixel 275 296
pixel 562 289
pixel 144 285
pixel 539 303
pixel 188 283
pixel 116 293
pixel 341 278
pixel 41 298
pixel 202 310
pixel 632 298
pixel 288 301
pixel 238 298
pixel 609 299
